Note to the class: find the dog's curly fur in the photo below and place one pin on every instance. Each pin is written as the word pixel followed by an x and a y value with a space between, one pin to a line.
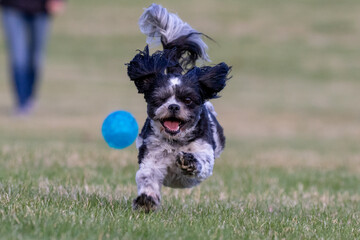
pixel 181 137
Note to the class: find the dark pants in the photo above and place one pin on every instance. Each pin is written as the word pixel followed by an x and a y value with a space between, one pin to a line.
pixel 26 36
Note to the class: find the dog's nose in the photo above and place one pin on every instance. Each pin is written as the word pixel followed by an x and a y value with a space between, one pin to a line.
pixel 174 108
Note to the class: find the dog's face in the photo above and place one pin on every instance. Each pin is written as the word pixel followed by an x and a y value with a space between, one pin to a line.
pixel 174 104
pixel 174 101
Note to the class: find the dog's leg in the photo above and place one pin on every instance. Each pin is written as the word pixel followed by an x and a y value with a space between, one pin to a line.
pixel 188 164
pixel 197 162
pixel 149 179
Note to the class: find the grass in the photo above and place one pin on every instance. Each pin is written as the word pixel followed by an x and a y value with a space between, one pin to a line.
pixel 292 163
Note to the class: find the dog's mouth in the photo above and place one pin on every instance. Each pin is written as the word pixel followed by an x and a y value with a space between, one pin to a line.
pixel 172 125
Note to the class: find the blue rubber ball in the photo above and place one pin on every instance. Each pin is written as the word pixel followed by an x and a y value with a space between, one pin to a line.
pixel 119 129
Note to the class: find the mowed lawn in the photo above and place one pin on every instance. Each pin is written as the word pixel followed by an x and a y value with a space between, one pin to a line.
pixel 291 114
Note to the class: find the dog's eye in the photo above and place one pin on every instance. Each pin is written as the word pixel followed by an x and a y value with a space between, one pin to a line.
pixel 187 101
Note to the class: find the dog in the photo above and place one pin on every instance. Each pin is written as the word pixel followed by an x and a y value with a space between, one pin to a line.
pixel 181 136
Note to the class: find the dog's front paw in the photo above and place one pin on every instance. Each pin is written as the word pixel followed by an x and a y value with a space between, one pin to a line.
pixel 188 164
pixel 146 203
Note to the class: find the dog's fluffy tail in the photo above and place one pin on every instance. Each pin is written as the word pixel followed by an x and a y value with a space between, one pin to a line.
pixel 159 25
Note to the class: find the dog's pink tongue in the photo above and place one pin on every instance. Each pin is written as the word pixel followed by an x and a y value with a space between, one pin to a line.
pixel 172 125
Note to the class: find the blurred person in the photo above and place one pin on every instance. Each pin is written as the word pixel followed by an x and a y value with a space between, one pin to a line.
pixel 26 26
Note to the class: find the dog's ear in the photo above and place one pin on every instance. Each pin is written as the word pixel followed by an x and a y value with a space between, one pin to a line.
pixel 211 79
pixel 144 69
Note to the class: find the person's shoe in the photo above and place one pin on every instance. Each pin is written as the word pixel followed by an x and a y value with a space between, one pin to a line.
pixel 25 110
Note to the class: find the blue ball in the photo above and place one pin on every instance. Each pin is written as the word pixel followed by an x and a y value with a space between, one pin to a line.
pixel 119 129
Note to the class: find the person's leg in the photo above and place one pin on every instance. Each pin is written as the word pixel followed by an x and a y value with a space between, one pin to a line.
pixel 39 30
pixel 15 28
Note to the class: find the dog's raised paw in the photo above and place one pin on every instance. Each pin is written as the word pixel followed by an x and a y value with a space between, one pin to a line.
pixel 188 163
pixel 146 203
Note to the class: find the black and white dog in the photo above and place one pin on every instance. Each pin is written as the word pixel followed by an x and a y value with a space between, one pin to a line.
pixel 181 136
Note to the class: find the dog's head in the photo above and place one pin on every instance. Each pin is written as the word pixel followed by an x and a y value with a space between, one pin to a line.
pixel 174 93
pixel 174 101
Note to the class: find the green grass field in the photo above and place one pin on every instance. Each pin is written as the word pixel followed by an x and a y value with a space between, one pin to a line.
pixel 291 115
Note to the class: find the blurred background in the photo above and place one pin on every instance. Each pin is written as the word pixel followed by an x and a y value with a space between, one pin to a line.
pixel 293 101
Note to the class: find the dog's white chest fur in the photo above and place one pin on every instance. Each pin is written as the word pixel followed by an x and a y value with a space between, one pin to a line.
pixel 163 155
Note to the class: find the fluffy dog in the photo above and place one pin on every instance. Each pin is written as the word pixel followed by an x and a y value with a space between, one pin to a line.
pixel 181 137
